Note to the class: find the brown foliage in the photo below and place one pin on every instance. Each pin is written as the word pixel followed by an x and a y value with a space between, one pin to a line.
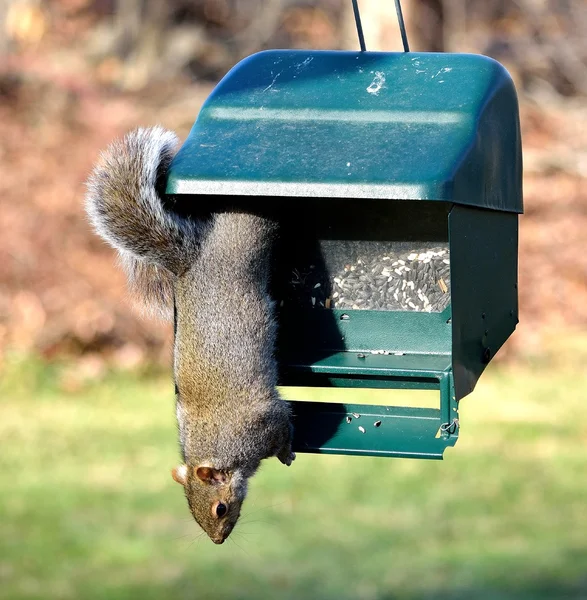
pixel 60 293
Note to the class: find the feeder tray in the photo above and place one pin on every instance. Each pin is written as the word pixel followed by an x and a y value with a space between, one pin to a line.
pixel 397 180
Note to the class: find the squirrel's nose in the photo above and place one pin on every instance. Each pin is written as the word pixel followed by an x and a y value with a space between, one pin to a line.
pixel 219 540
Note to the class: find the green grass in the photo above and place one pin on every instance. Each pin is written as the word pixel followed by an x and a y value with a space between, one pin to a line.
pixel 88 508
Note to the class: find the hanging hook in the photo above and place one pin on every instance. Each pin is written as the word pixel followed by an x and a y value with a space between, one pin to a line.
pixel 359 25
pixel 400 20
pixel 402 25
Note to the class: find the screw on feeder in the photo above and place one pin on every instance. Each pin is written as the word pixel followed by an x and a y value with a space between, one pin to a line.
pixel 450 428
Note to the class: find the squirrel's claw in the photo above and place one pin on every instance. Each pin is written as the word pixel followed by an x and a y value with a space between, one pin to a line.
pixel 287 457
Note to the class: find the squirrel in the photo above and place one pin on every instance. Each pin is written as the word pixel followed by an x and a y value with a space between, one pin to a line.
pixel 215 271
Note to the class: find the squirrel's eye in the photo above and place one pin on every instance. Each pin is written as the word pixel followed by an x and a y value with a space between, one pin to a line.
pixel 221 510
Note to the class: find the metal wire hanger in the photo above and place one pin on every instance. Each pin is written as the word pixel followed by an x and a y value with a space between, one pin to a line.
pixel 400 20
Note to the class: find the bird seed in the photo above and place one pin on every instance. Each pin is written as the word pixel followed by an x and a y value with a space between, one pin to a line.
pixel 380 276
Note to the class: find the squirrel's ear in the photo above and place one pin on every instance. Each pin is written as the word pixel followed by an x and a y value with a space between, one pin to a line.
pixel 210 475
pixel 180 474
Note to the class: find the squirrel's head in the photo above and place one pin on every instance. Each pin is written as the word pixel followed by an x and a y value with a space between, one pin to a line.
pixel 215 497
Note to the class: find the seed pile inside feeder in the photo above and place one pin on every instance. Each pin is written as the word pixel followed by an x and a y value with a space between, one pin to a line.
pixel 417 279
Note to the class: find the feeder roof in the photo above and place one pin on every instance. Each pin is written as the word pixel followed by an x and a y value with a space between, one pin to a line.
pixel 403 126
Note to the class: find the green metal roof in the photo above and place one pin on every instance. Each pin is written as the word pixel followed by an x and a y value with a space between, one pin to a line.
pixel 401 126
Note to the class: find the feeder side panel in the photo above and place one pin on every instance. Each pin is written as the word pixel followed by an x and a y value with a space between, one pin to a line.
pixel 484 294
pixel 492 168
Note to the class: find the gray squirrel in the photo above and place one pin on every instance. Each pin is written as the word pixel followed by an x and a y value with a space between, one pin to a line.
pixel 215 271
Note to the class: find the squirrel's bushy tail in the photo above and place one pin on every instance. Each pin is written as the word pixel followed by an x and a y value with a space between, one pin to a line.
pixel 125 207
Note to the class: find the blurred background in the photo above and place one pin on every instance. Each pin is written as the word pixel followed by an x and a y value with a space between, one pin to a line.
pixel 87 432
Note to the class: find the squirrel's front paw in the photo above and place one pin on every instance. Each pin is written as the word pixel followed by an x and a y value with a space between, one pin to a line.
pixel 286 456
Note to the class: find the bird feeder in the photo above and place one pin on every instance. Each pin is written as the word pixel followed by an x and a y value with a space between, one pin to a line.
pixel 397 181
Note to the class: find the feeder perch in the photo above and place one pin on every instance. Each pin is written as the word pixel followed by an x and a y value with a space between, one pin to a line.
pixel 397 180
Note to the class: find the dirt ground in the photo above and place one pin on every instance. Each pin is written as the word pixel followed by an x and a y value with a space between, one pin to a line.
pixel 61 294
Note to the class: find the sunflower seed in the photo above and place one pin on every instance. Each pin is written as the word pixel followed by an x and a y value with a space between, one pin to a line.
pixel 383 278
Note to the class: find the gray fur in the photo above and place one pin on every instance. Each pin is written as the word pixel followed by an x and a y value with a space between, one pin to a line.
pixel 152 284
pixel 229 413
pixel 126 210
pixel 230 375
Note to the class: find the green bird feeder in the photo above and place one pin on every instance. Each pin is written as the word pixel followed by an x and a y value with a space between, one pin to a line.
pixel 397 178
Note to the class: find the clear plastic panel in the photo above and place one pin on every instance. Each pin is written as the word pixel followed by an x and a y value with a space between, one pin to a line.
pixel 378 275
